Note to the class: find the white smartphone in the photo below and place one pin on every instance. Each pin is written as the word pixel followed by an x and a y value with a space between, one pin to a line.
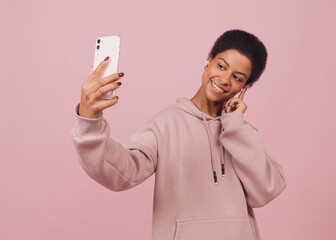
pixel 107 46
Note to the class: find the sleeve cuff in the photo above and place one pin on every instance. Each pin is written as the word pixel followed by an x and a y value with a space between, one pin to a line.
pixel 232 120
pixel 92 126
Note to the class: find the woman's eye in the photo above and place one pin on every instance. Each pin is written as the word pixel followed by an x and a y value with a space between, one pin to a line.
pixel 238 78
pixel 221 67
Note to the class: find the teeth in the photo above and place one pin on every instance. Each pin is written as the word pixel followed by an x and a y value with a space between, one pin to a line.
pixel 219 89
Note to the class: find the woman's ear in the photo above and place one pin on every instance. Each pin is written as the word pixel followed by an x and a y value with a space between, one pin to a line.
pixel 207 62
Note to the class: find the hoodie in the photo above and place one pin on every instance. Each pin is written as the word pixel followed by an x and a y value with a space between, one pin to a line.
pixel 209 172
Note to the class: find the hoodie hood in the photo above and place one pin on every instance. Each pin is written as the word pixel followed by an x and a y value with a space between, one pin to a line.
pixel 189 107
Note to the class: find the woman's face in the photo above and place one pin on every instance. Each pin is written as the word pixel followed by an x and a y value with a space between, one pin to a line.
pixel 229 71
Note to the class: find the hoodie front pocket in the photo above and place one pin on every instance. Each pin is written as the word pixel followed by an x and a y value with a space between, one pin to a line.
pixel 214 229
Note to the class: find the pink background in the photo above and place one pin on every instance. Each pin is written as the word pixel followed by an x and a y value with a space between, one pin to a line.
pixel 46 52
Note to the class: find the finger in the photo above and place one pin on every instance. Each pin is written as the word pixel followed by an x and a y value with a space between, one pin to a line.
pixel 108 87
pixel 91 71
pixel 99 69
pixel 227 105
pixel 233 103
pixel 107 103
pixel 223 104
pixel 106 80
pixel 242 93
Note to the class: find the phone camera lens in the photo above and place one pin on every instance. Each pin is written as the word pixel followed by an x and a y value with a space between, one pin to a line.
pixel 98 41
pixel 97 46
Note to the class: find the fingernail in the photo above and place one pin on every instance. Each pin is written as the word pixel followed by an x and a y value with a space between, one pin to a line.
pixel 117 97
pixel 121 74
pixel 119 83
pixel 106 58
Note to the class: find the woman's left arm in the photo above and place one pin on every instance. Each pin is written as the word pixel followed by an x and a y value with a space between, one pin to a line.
pixel 262 177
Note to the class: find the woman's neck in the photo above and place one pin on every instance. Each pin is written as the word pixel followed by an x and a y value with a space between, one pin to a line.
pixel 213 109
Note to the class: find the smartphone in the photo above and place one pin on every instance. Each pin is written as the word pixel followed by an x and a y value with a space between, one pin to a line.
pixel 107 46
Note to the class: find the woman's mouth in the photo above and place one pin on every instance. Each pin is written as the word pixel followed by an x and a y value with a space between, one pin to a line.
pixel 216 88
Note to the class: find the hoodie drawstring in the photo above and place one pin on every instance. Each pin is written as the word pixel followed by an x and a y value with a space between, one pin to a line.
pixel 212 158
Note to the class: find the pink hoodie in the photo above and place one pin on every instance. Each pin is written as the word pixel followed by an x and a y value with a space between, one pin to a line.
pixel 209 172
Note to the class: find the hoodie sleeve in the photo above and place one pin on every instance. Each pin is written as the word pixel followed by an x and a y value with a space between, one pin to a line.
pixel 115 166
pixel 262 177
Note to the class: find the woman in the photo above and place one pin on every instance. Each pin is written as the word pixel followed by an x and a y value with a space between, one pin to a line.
pixel 186 145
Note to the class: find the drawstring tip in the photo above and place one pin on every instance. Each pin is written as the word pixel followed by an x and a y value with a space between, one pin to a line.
pixel 215 177
pixel 223 172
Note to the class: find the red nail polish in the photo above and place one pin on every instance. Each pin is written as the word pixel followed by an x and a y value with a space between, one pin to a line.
pixel 106 58
pixel 121 74
pixel 117 97
pixel 119 83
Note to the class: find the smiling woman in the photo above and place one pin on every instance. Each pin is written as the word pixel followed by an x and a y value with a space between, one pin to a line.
pixel 236 60
pixel 247 45
pixel 224 76
pixel 190 202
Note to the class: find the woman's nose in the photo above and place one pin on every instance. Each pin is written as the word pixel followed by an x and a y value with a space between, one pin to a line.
pixel 224 80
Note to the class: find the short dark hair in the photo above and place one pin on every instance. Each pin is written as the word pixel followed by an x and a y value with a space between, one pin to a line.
pixel 246 44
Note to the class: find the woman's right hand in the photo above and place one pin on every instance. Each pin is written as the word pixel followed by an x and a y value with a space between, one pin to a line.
pixel 91 104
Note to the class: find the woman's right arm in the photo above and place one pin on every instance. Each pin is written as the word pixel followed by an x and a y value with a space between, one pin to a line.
pixel 115 166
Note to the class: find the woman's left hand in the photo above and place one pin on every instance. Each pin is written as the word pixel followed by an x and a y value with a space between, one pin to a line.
pixel 235 104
